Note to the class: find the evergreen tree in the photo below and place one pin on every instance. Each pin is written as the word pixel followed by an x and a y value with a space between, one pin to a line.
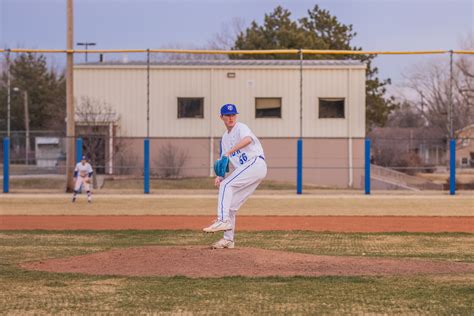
pixel 46 91
pixel 319 30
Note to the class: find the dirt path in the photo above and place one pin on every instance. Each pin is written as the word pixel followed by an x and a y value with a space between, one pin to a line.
pixel 248 223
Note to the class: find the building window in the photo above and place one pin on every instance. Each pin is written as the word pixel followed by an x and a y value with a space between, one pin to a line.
pixel 267 107
pixel 331 108
pixel 464 162
pixel 190 107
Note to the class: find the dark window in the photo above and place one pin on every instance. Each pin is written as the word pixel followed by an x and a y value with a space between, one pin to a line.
pixel 190 107
pixel 267 107
pixel 331 108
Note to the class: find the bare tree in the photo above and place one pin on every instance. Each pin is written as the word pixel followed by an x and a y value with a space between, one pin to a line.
pixel 465 64
pixel 406 115
pixel 171 160
pixel 431 82
pixel 222 40
pixel 225 39
pixel 94 120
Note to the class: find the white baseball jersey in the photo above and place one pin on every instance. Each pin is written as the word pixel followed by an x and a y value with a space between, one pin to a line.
pixel 82 173
pixel 83 170
pixel 246 154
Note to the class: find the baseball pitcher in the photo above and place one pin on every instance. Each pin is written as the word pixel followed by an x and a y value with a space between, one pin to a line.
pixel 82 177
pixel 244 151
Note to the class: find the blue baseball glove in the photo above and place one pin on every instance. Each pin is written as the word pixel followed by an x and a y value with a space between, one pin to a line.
pixel 221 166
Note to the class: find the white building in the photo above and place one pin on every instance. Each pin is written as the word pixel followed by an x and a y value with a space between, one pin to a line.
pixel 48 151
pixel 185 97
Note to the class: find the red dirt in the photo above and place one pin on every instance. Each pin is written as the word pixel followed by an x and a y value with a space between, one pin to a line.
pixel 203 262
pixel 247 223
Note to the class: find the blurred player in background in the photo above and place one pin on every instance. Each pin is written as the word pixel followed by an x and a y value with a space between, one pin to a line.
pixel 82 177
pixel 246 155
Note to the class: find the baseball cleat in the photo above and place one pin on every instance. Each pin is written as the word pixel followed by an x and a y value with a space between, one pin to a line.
pixel 223 243
pixel 218 226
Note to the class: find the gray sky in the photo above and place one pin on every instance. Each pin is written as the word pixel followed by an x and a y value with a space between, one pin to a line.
pixel 114 24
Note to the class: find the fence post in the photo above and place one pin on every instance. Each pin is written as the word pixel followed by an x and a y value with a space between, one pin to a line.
pixel 78 150
pixel 452 167
pixel 367 166
pixel 299 167
pixel 146 167
pixel 6 164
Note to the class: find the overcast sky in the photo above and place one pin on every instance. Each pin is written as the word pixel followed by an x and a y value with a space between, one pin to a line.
pixel 114 24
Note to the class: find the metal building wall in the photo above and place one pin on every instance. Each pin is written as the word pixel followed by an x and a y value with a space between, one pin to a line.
pixel 334 83
pixel 166 85
pixel 124 88
pixel 259 83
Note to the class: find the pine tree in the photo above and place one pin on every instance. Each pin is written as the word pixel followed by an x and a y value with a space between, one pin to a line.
pixel 319 30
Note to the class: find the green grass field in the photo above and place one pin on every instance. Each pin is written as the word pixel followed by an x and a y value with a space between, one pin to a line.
pixel 207 183
pixel 261 205
pixel 23 292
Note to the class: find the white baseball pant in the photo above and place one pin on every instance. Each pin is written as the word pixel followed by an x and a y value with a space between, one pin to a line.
pixel 82 181
pixel 237 188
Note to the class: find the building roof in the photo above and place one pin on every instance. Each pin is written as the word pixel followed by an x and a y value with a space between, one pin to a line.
pixel 231 62
pixel 465 129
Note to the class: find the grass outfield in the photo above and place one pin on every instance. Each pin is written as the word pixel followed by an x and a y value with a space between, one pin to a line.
pixel 205 204
pixel 207 183
pixel 40 292
pixel 443 178
pixel 56 183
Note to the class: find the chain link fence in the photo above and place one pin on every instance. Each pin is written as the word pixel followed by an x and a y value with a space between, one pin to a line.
pixel 414 164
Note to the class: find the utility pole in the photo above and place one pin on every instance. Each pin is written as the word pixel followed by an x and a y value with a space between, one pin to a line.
pixel 70 128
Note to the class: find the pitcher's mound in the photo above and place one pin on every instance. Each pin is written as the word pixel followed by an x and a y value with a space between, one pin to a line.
pixel 199 261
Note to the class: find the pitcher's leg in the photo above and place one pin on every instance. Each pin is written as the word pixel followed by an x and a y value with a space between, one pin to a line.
pixel 239 178
pixel 229 234
pixel 239 185
pixel 223 204
pixel 240 196
pixel 226 194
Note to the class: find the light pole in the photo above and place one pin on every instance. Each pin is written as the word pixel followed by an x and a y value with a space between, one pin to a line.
pixel 27 123
pixel 86 44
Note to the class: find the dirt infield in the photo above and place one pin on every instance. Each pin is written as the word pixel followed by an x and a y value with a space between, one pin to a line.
pixel 198 261
pixel 245 223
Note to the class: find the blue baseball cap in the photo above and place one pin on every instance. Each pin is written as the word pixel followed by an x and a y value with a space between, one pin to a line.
pixel 228 109
pixel 83 158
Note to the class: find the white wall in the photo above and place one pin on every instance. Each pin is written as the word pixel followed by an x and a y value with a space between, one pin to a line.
pixel 124 88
